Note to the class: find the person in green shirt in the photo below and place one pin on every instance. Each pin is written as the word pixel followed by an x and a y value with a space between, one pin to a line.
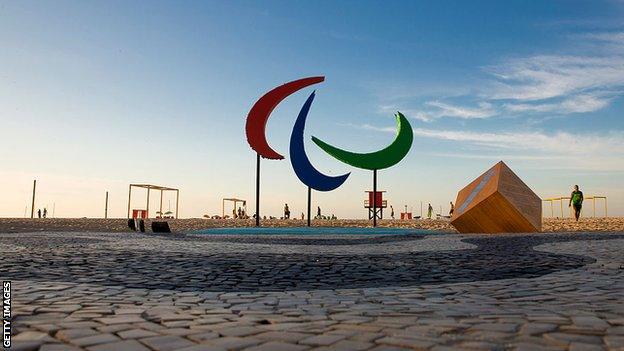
pixel 576 200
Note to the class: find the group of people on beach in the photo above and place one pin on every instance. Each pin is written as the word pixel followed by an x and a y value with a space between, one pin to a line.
pixel 429 211
pixel 576 201
pixel 319 215
pixel 240 214
pixel 42 214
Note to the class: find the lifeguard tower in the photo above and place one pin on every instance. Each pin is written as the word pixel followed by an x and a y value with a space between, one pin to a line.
pixel 375 204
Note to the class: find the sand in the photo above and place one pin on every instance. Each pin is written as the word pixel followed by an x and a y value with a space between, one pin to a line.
pixel 18 225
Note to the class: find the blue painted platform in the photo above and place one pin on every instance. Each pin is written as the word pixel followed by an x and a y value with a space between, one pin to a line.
pixel 314 231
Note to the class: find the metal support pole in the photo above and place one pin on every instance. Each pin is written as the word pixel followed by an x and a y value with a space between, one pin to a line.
pixel 552 211
pixel 106 206
pixel 374 197
pixel 129 198
pixel 177 202
pixel 32 209
pixel 594 203
pixel 161 197
pixel 147 202
pixel 606 213
pixel 309 203
pixel 257 190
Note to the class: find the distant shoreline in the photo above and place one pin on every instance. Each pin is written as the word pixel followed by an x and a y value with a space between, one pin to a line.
pixel 22 225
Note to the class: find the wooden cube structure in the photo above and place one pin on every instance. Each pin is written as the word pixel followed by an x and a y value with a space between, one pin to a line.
pixel 498 201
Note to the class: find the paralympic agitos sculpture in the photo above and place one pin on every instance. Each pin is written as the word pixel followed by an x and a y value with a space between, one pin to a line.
pixel 305 171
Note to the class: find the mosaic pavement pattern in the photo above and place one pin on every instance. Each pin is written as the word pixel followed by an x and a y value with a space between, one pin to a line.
pixel 120 292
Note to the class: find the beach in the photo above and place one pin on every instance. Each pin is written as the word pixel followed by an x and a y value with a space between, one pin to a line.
pixel 22 225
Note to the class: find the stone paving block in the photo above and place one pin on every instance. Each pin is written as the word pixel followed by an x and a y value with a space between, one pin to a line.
pixel 366 337
pixel 70 334
pixel 405 342
pixel 350 345
pixel 566 339
pixel 203 347
pixel 286 336
pixel 390 348
pixel 79 325
pixel 30 345
pixel 235 342
pixel 177 331
pixel 579 346
pixel 203 337
pixel 614 342
pixel 33 336
pixel 136 334
pixel 114 328
pixel 121 319
pixel 94 340
pixel 525 346
pixel 537 328
pixel 166 343
pixel 239 331
pixel 277 346
pixel 590 322
pixel 126 345
pixel 496 327
pixel 58 347
pixel 322 340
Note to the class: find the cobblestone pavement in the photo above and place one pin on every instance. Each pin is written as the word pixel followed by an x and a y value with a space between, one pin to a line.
pixel 118 292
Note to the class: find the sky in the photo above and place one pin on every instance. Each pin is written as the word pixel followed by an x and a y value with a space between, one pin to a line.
pixel 95 95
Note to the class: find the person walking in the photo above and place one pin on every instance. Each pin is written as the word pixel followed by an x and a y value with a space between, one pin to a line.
pixel 45 212
pixel 39 213
pixel 391 212
pixel 429 211
pixel 286 212
pixel 452 209
pixel 576 201
pixel 318 212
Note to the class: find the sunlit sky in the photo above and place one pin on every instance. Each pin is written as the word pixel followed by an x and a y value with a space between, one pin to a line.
pixel 95 95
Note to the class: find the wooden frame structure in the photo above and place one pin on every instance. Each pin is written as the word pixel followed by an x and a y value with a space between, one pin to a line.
pixel 235 201
pixel 153 187
pixel 567 198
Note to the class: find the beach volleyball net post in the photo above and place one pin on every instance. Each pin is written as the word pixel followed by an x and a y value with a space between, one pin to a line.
pixel 149 187
pixel 562 204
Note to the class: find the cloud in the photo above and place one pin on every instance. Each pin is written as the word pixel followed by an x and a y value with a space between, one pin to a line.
pixel 588 151
pixel 544 77
pixel 616 38
pixel 540 84
pixel 576 104
pixel 484 110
